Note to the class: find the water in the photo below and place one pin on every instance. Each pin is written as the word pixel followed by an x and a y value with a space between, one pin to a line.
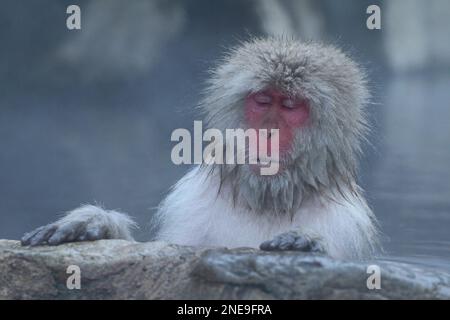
pixel 96 130
pixel 408 178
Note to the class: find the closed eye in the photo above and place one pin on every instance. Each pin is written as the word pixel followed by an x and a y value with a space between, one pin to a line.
pixel 289 103
pixel 261 98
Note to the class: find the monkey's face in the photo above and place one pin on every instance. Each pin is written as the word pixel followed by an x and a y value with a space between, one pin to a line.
pixel 313 94
pixel 269 109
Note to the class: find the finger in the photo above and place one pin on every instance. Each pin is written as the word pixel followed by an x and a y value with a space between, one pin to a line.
pixel 66 233
pixel 95 233
pixel 269 245
pixel 27 236
pixel 316 247
pixel 265 245
pixel 286 241
pixel 301 243
pixel 43 235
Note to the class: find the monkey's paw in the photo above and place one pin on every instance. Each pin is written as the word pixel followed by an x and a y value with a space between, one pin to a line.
pixel 62 232
pixel 294 241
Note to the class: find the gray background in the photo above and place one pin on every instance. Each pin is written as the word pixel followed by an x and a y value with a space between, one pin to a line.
pixel 86 116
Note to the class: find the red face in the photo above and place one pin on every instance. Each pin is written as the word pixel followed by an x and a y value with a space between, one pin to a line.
pixel 271 109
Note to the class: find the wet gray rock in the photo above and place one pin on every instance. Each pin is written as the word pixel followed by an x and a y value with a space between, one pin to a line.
pixel 117 269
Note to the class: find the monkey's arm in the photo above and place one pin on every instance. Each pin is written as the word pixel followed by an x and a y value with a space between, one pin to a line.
pixel 345 228
pixel 84 223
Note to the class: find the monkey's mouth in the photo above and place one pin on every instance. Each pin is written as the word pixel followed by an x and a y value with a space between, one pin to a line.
pixel 266 161
pixel 265 166
pixel 263 161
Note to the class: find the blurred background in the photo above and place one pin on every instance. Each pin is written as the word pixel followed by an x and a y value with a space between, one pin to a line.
pixel 86 115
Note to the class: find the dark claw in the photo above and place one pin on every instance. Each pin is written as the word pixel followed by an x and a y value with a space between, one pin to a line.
pixel 291 241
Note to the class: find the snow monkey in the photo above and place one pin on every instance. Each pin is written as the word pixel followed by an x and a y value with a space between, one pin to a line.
pixel 315 95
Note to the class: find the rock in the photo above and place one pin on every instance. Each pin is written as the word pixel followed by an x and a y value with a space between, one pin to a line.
pixel 117 269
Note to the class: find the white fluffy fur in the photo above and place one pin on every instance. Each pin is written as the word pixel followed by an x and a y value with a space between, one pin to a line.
pixel 194 214
pixel 119 225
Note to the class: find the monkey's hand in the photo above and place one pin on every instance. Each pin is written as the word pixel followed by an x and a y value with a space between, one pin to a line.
pixel 86 223
pixel 294 241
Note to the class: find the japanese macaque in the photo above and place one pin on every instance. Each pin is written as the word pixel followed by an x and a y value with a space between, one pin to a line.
pixel 315 96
